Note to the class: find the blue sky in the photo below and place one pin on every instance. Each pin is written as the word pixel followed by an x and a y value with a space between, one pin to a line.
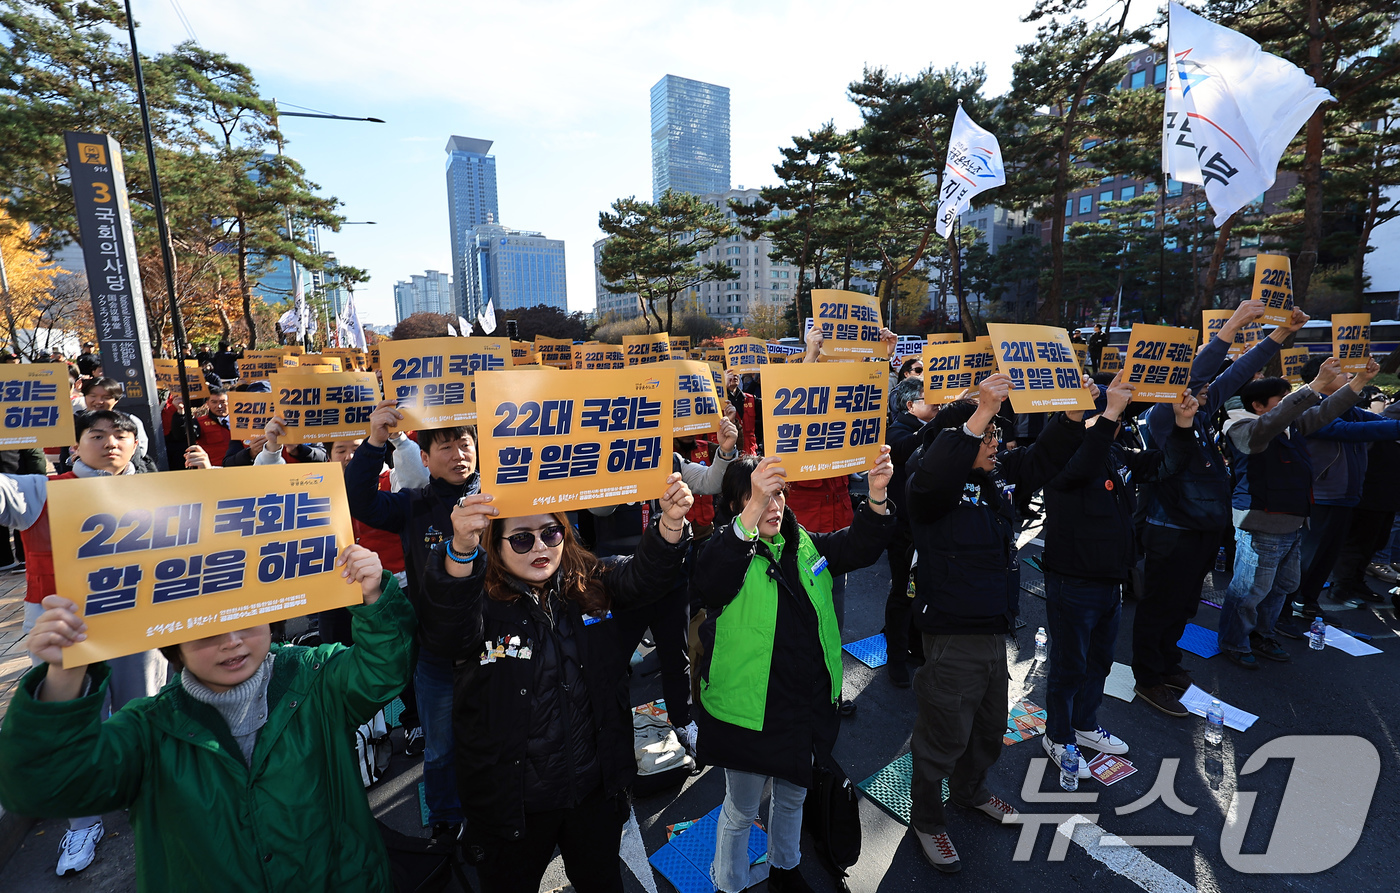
pixel 562 89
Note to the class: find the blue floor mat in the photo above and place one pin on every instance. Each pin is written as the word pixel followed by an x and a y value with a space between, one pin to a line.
pixel 685 860
pixel 872 651
pixel 1199 640
pixel 890 787
pixel 392 711
pixel 423 803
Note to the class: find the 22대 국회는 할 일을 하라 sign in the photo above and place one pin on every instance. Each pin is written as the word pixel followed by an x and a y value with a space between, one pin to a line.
pixel 826 419
pixel 954 367
pixel 1045 374
pixel 34 408
pixel 1351 340
pixel 157 559
pixel 1159 362
pixel 432 379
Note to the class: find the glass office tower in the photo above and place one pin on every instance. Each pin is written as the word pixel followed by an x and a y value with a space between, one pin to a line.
pixel 689 137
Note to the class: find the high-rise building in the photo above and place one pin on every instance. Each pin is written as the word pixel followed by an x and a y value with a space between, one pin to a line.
pixel 427 293
pixel 471 201
pixel 762 281
pixel 624 306
pixel 689 137
pixel 513 268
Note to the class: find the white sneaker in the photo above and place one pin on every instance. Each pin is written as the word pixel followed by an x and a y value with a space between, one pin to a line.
pixel 1383 572
pixel 938 850
pixel 1057 755
pixel 1100 740
pixel 78 849
pixel 689 735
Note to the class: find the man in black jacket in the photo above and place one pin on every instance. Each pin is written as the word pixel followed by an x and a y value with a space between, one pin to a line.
pixel 1090 547
pixel 911 414
pixel 423 519
pixel 968 596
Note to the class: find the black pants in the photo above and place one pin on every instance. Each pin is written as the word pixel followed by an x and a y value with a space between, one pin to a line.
pixel 1370 532
pixel 588 836
pixel 898 604
pixel 669 621
pixel 1328 526
pixel 1176 568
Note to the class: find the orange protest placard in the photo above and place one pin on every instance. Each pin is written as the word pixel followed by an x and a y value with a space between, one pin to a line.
pixel 248 414
pixel 1212 321
pixel 745 355
pixel 1351 340
pixel 642 349
pixel 696 399
pixel 951 368
pixel 1293 359
pixel 945 337
pixel 522 353
pixel 1045 375
pixel 680 347
pixel 556 352
pixel 1081 352
pixel 1112 359
pixel 325 407
pixel 34 408
pixel 850 323
pixel 1159 362
pixel 552 443
pixel 168 377
pixel 824 419
pixel 1273 284
pixel 593 355
pixel 159 559
pixel 321 360
pixel 431 378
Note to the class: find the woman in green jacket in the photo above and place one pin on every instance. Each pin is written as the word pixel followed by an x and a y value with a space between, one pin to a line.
pixel 241 774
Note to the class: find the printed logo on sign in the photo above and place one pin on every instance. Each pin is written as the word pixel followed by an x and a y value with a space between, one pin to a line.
pixel 92 153
pixel 650 384
pixel 309 480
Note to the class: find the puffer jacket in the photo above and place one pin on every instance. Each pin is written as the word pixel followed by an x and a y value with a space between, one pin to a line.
pixel 822 506
pixel 297 819
pixel 507 708
pixel 771 672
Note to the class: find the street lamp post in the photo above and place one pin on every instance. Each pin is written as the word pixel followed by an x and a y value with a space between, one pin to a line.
pixel 291 261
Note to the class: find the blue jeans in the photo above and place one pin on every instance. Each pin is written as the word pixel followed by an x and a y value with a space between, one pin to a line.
pixel 742 793
pixel 1267 569
pixel 432 681
pixel 1083 624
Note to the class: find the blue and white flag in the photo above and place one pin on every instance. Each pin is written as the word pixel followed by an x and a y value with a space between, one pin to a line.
pixel 973 165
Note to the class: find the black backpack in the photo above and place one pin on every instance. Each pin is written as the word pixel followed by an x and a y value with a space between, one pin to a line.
pixel 421 865
pixel 831 815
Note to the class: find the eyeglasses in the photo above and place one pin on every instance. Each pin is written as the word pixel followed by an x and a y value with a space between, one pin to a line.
pixel 524 541
pixel 991 437
pixel 917 370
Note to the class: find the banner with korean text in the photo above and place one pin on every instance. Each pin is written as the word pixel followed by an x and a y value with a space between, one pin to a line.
pixel 944 337
pixel 522 353
pixel 745 355
pixel 680 347
pixel 1159 362
pixel 1273 284
pixel 1351 340
pixel 248 414
pixel 596 355
pixel 258 368
pixel 850 323
pixel 824 419
pixel 950 369
pixel 713 355
pixel 1045 376
pixel 1112 359
pixel 1293 359
pixel 1081 353
pixel 34 408
pixel 158 559
pixel 168 377
pixel 642 349
pixel 320 408
pixel 553 443
pixel 697 400
pixel 556 352
pixel 431 378
pixel 1212 321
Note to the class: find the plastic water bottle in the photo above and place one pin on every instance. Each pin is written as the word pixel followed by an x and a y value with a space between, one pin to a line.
pixel 1069 768
pixel 1215 724
pixel 1220 561
pixel 1317 636
pixel 1040 642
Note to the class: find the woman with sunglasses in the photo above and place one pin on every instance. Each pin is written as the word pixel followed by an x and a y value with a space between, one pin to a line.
pixel 540 708
pixel 771 676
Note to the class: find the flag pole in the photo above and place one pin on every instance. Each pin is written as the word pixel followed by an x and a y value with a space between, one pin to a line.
pixel 167 255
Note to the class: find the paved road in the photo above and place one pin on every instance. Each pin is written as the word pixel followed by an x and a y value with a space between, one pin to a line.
pixel 1319 693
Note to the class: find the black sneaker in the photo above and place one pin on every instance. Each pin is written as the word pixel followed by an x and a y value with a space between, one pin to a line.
pixel 846 708
pixel 899 673
pixel 1241 659
pixel 413 743
pixel 1268 647
pixel 1289 630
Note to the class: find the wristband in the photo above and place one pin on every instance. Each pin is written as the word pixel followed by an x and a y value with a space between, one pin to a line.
pixel 878 501
pixel 733 454
pixel 463 559
pixel 669 527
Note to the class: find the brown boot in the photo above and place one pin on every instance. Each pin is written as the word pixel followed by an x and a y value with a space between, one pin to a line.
pixel 1163 698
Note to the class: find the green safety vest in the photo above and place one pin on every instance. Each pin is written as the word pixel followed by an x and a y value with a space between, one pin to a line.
pixel 742 657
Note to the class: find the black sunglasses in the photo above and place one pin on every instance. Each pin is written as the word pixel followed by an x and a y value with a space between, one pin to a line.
pixel 524 541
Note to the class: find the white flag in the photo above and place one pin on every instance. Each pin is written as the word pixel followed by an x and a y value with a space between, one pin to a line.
pixel 299 302
pixel 451 331
pixel 487 319
pixel 288 322
pixel 354 333
pixel 1231 110
pixel 974 165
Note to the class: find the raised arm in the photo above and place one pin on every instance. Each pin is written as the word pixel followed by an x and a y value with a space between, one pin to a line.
pixel 370 674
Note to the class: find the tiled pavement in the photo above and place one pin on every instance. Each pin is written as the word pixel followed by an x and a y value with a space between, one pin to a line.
pixel 14 660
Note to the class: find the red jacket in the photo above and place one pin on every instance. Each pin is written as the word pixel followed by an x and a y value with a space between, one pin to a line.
pixel 822 506
pixel 748 426
pixel 213 436
pixel 39 578
pixel 703 510
pixel 384 543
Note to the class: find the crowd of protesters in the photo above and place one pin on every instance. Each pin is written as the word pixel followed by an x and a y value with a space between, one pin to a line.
pixel 509 639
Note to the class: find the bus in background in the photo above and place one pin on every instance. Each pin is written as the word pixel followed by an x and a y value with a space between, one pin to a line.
pixel 1316 336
